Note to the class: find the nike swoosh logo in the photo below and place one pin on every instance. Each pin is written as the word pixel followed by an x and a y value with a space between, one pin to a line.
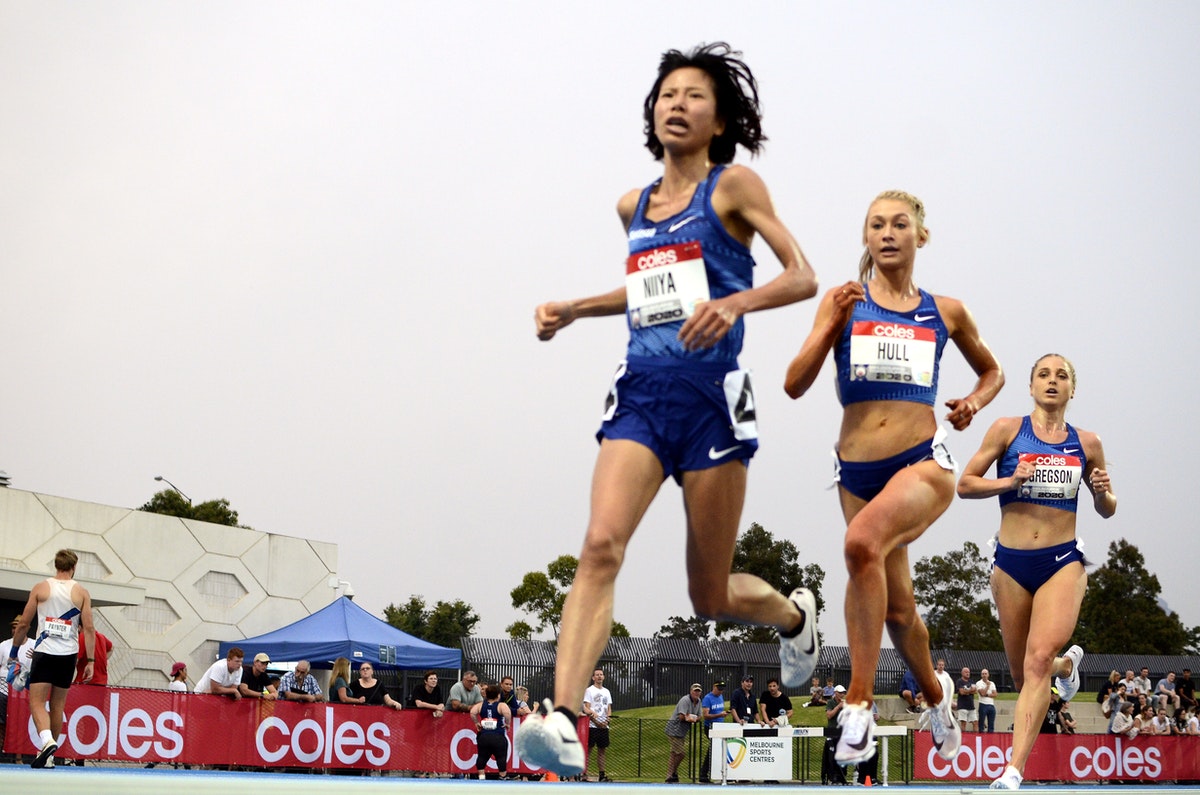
pixel 861 744
pixel 681 224
pixel 714 453
pixel 923 318
pixel 1058 558
pixel 1068 451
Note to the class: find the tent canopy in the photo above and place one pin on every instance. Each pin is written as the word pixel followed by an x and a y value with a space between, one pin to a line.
pixel 343 629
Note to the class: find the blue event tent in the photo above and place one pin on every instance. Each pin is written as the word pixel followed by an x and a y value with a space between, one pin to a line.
pixel 343 629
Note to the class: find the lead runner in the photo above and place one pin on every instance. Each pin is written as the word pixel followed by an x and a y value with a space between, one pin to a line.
pixel 679 406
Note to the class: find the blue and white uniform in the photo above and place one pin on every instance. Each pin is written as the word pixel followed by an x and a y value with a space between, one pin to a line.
pixel 492 741
pixel 1058 472
pixel 694 409
pixel 57 644
pixel 887 355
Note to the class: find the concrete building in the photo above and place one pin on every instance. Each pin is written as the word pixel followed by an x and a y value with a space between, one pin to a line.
pixel 163 588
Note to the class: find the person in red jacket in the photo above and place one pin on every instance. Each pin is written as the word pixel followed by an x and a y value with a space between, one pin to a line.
pixel 100 671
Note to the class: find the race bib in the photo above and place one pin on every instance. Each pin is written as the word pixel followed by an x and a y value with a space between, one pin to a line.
pixel 663 285
pixel 58 628
pixel 1055 476
pixel 892 352
pixel 488 724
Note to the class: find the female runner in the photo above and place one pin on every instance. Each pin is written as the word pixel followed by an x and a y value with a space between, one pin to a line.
pixel 895 475
pixel 679 406
pixel 1038 577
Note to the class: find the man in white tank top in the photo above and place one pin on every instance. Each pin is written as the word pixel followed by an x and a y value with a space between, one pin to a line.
pixel 63 609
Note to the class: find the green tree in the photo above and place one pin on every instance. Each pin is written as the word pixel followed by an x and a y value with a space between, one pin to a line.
pixel 1121 612
pixel 542 594
pixel 171 503
pixel 758 553
pixel 446 623
pixel 959 617
pixel 694 628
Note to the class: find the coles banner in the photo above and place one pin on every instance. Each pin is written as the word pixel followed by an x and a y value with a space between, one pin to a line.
pixel 135 725
pixel 1064 757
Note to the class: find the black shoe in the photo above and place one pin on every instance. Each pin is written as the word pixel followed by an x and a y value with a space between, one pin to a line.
pixel 672 779
pixel 603 777
pixel 47 751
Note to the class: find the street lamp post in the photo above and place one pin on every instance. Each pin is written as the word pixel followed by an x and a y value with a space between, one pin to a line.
pixel 173 486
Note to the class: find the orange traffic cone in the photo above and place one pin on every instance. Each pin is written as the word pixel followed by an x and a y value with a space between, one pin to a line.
pixel 550 776
pixel 867 783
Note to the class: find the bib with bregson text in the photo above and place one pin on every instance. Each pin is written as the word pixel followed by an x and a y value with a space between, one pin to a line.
pixel 892 352
pixel 663 285
pixel 1055 476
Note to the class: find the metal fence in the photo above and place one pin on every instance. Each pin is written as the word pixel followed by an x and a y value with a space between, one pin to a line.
pixel 642 672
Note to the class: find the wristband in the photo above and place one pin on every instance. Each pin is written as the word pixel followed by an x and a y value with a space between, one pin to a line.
pixel 12 653
pixel 91 659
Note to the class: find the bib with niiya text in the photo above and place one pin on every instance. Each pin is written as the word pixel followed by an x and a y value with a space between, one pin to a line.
pixel 1055 476
pixel 892 352
pixel 663 285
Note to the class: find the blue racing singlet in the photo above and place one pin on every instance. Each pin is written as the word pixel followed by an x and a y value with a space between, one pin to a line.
pixel 1058 469
pixel 673 265
pixel 886 355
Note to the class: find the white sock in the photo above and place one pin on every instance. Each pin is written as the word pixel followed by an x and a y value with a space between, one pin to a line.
pixel 45 736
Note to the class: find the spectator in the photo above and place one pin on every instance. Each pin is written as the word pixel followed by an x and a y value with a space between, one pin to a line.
pixel 828 692
pixel 1144 721
pixel 371 690
pixel 339 684
pixel 1066 721
pixel 491 717
pixel 966 701
pixel 223 677
pixel 300 685
pixel 910 693
pixel 1165 691
pixel 835 707
pixel 1162 724
pixel 179 677
pixel 100 669
pixel 256 682
pixel 743 705
pixel 522 694
pixel 1185 688
pixel 816 694
pixel 597 705
pixel 712 708
pixel 1143 682
pixel 774 705
pixel 1106 690
pixel 16 672
pixel 687 712
pixel 465 694
pixel 1115 699
pixel 986 689
pixel 1050 724
pixel 1131 686
pixel 1193 723
pixel 508 697
pixel 428 695
pixel 1122 720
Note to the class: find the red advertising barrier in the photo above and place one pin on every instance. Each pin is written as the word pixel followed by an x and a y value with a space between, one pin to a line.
pixel 1064 757
pixel 135 725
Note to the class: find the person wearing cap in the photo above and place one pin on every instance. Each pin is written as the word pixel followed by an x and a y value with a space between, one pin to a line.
pixel 688 712
pixel 744 705
pixel 256 682
pixel 835 705
pixel 223 677
pixel 178 678
pixel 712 708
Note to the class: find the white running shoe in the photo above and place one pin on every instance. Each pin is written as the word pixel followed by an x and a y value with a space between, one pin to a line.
pixel 798 655
pixel 1010 779
pixel 857 743
pixel 939 719
pixel 547 740
pixel 1067 688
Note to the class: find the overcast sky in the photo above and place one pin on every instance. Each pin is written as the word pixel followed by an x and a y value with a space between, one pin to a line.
pixel 288 254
